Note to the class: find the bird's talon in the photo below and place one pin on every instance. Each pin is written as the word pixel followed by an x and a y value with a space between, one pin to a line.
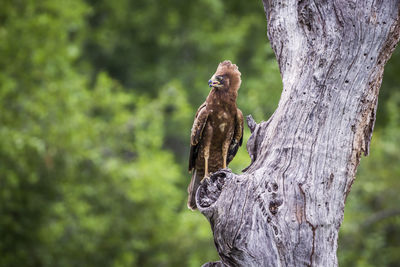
pixel 205 177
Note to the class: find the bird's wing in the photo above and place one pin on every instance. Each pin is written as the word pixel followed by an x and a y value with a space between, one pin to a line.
pixel 197 133
pixel 237 139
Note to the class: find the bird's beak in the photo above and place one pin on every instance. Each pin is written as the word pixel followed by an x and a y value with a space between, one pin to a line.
pixel 214 83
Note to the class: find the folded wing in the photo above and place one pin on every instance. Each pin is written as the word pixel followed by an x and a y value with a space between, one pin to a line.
pixel 237 139
pixel 197 134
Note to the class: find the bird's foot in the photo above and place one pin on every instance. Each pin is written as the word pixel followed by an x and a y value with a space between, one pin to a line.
pixel 205 177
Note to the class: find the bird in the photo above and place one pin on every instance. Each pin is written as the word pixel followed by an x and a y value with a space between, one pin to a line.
pixel 217 131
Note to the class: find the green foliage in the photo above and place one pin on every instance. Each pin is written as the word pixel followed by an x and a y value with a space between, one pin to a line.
pixel 146 44
pixel 97 102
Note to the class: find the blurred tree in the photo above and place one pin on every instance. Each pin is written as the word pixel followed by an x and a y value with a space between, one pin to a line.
pixel 147 44
pixel 38 87
pixel 79 168
pixel 95 95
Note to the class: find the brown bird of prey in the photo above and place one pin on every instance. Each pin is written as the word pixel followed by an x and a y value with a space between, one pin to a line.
pixel 217 130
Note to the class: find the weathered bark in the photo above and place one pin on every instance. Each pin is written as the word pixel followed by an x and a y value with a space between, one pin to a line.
pixel 287 207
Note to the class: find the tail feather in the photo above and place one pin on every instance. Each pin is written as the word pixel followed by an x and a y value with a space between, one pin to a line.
pixel 192 189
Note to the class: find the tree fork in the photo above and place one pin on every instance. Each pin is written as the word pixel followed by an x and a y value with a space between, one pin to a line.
pixel 287 206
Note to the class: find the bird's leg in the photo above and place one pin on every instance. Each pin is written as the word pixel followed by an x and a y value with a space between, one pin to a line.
pixel 206 156
pixel 208 133
pixel 225 147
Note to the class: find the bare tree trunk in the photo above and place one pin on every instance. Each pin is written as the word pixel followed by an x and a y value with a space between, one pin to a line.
pixel 287 207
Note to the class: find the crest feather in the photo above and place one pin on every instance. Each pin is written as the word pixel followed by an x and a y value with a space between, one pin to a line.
pixel 227 68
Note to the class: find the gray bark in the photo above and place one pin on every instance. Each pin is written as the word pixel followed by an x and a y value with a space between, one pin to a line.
pixel 287 207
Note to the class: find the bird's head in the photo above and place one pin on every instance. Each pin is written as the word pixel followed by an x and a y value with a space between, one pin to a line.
pixel 226 77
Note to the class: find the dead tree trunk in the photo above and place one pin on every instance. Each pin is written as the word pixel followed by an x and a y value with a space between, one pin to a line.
pixel 287 207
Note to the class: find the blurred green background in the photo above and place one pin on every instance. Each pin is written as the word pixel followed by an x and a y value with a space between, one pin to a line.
pixel 97 101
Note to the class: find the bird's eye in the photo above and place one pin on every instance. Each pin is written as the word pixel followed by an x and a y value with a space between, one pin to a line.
pixel 219 78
